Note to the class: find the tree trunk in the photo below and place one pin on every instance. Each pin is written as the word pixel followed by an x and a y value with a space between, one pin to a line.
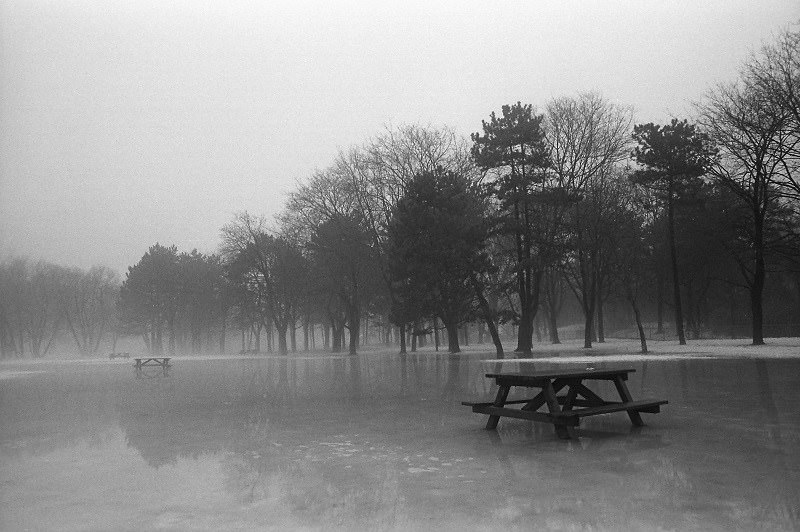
pixel 402 335
pixel 601 333
pixel 797 285
pixel 637 315
pixel 452 337
pixel 554 339
pixel 525 331
pixel 660 302
pixel 588 325
pixel 222 338
pixel 354 322
pixel 147 344
pixel 673 253
pixel 281 330
pixel 757 288
pixel 588 302
pixel 488 318
pixel 336 338
pixel 159 346
pixel 436 333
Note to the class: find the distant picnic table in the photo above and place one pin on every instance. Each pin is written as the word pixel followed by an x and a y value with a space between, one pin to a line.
pixel 561 409
pixel 118 355
pixel 140 363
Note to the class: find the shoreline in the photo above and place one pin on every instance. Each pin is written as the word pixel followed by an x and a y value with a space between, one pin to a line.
pixel 570 351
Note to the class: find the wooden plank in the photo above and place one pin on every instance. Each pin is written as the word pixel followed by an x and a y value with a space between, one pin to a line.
pixel 570 399
pixel 538 378
pixel 552 405
pixel 562 399
pixel 625 395
pixel 524 414
pixel 489 403
pixel 499 401
pixel 589 395
pixel 647 405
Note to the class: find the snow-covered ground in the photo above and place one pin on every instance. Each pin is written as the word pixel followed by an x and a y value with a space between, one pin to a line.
pixel 627 350
pixel 569 351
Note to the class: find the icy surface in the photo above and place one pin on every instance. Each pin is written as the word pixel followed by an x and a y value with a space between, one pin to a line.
pixel 380 441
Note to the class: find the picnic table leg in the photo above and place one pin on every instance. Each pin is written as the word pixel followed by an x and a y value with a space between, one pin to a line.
pixel 626 397
pixel 552 404
pixel 500 400
pixel 572 394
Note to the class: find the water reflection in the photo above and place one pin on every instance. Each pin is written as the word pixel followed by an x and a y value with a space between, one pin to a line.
pixel 381 441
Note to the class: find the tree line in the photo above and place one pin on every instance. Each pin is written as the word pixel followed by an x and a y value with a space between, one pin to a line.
pixel 419 231
pixel 40 301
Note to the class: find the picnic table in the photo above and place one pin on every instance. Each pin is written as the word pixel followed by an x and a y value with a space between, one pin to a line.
pixel 112 356
pixel 140 363
pixel 561 409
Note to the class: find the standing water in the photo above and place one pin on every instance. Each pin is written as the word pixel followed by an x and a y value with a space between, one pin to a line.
pixel 381 441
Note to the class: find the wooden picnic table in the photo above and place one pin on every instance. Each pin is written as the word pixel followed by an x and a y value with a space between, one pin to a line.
pixel 561 409
pixel 163 362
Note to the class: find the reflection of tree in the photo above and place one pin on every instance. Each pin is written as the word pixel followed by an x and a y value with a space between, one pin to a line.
pixel 53 410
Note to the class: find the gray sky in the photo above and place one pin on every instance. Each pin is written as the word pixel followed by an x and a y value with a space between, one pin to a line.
pixel 127 123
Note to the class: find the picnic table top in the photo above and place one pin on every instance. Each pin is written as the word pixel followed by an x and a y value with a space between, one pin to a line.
pixel 548 375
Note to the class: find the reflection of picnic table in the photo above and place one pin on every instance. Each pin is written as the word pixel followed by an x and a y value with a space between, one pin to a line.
pixel 561 408
pixel 162 362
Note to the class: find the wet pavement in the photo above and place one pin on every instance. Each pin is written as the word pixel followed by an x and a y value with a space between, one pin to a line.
pixel 381 441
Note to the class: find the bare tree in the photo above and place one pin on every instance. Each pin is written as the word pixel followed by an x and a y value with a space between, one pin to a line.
pixel 44 314
pixel 13 306
pixel 380 170
pixel 88 304
pixel 272 267
pixel 754 135
pixel 587 137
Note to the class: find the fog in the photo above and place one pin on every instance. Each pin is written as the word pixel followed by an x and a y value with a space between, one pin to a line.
pixel 123 124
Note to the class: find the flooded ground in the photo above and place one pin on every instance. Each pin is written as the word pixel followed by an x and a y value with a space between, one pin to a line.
pixel 381 441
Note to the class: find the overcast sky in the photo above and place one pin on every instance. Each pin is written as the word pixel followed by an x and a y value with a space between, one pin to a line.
pixel 127 123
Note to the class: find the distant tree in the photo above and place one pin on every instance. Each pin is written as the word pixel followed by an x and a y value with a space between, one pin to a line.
pixel 346 265
pixel 203 300
pixel 757 157
pixel 272 267
pixel 380 170
pixel 587 136
pixel 88 305
pixel 148 297
pixel 30 306
pixel 13 306
pixel 553 296
pixel 672 158
pixel 513 150
pixel 436 240
pixel 595 244
pixel 632 265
